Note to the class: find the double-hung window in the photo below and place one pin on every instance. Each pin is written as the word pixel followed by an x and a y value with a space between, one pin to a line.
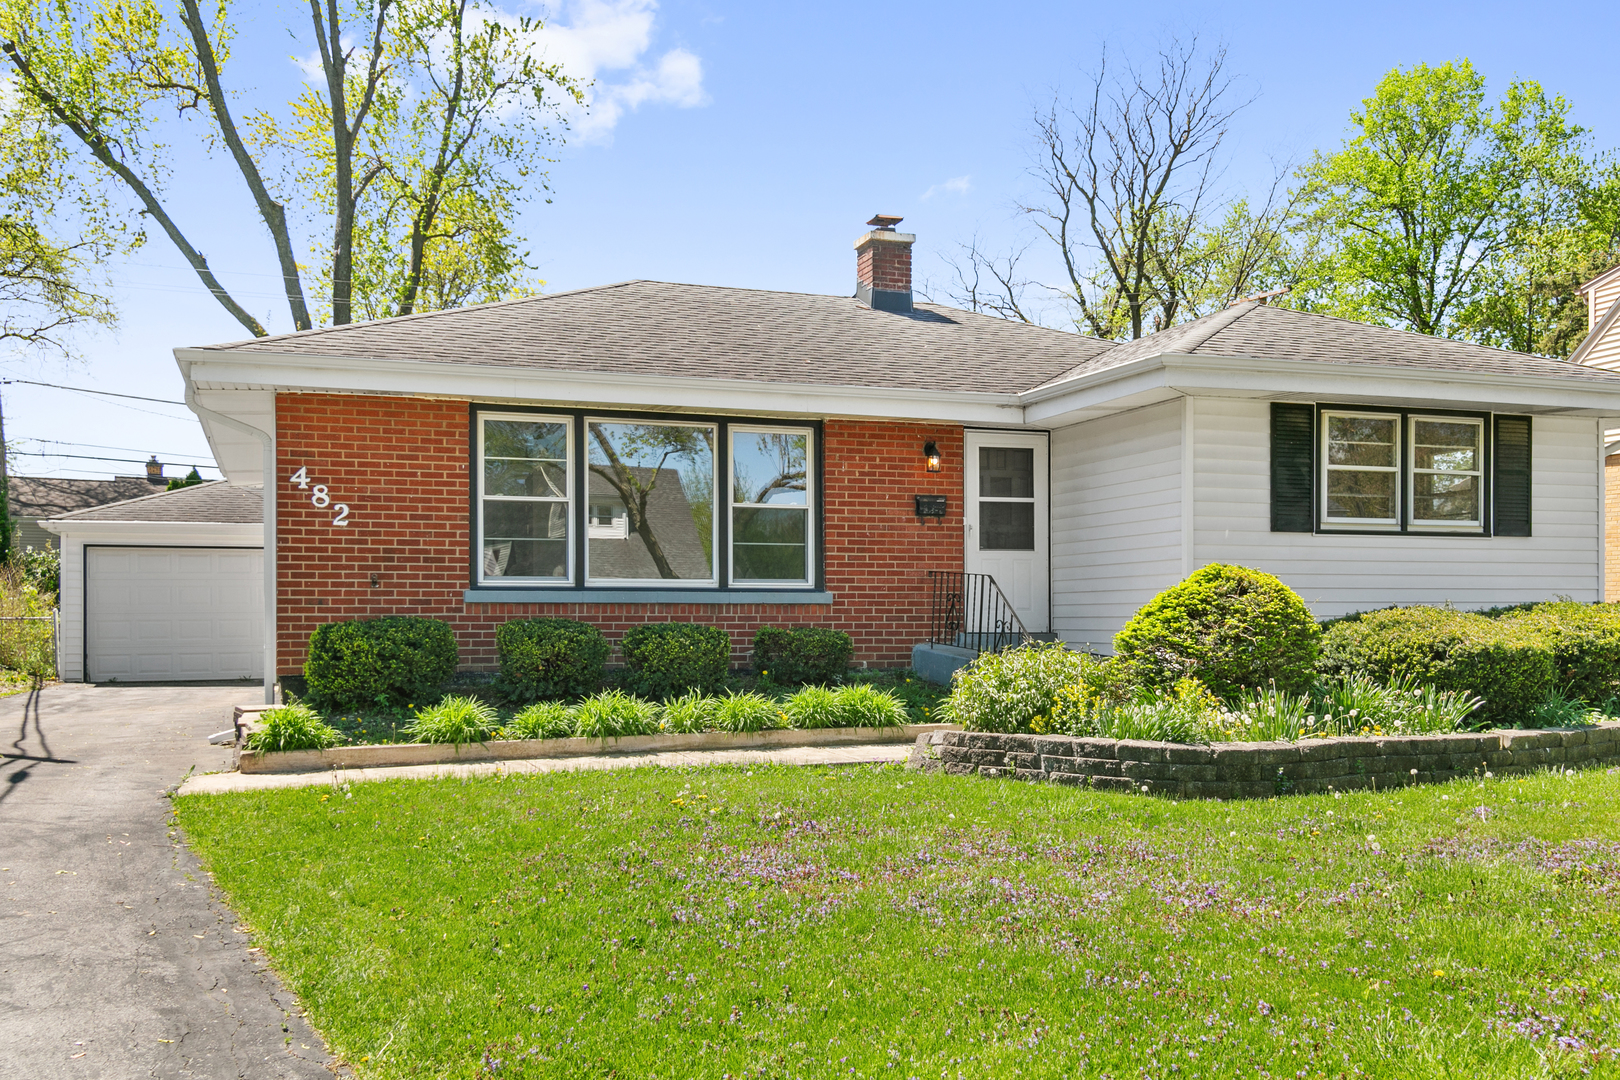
pixel 1362 469
pixel 615 502
pixel 770 506
pixel 1447 455
pixel 1402 471
pixel 525 500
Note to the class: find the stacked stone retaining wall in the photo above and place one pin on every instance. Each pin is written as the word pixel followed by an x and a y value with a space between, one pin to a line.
pixel 1260 770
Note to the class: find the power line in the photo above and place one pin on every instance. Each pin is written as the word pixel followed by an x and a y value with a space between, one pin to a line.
pixel 93 457
pixel 82 390
pixel 98 446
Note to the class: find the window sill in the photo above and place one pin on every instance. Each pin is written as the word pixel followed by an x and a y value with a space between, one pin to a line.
pixel 582 597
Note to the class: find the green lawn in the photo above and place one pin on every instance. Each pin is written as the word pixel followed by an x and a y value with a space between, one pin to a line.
pixel 875 923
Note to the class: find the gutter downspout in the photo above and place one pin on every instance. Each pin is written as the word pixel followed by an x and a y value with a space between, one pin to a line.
pixel 268 442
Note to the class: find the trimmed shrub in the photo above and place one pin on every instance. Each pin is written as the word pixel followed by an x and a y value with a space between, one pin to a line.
pixel 667 659
pixel 547 659
pixel 292 727
pixel 454 720
pixel 613 713
pixel 1231 627
pixel 542 720
pixel 1010 690
pixel 1585 643
pixel 804 654
pixel 1509 665
pixel 396 660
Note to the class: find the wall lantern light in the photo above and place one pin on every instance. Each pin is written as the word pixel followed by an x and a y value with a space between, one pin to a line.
pixel 931 455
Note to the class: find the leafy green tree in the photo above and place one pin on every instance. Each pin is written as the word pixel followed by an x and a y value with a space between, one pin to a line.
pixel 192 477
pixel 48 278
pixel 428 121
pixel 1443 212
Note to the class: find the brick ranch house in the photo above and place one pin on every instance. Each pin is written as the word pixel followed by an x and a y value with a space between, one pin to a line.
pixel 649 451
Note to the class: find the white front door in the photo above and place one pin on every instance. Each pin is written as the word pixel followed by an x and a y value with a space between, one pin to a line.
pixel 1006 519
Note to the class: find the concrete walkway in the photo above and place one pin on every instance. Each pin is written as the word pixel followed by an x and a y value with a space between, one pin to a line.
pixel 116 958
pixel 798 755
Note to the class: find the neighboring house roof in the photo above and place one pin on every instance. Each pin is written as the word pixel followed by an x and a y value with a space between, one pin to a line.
pixel 214 502
pixel 657 328
pixel 51 496
pixel 670 516
pixel 1263 332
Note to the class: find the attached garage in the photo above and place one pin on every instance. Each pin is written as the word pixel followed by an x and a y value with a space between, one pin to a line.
pixel 164 588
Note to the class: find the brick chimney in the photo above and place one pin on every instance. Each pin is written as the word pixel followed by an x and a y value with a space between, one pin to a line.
pixel 154 471
pixel 883 266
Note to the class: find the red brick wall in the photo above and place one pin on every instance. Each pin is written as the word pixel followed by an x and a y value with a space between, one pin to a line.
pixel 401 465
pixel 884 264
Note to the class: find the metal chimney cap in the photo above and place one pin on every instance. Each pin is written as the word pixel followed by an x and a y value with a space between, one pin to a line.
pixel 886 222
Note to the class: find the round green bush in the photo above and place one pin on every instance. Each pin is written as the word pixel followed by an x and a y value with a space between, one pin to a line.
pixel 1231 627
pixel 668 659
pixel 398 660
pixel 1508 664
pixel 1015 688
pixel 548 659
pixel 804 654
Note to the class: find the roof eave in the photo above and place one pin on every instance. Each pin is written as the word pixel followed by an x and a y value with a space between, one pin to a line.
pixel 1194 374
pixel 343 374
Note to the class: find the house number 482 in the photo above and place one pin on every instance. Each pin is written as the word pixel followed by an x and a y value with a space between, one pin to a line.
pixel 319 496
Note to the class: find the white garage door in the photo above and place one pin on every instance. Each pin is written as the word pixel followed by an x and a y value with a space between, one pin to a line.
pixel 174 613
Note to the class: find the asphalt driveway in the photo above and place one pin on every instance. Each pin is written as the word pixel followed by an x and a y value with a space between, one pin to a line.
pixel 116 957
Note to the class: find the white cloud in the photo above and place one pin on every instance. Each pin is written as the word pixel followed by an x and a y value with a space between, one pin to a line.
pixel 609 42
pixel 956 185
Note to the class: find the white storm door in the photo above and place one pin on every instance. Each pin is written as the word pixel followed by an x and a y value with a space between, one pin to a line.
pixel 1005 492
pixel 155 613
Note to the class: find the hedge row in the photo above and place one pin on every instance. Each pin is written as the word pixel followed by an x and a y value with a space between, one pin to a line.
pixel 1515 659
pixel 401 660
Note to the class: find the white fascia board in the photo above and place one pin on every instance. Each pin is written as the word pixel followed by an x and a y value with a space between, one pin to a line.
pixel 282 371
pixel 1313 379
pixel 160 533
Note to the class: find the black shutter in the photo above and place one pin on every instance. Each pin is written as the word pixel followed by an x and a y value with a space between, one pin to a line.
pixel 1510 486
pixel 1293 445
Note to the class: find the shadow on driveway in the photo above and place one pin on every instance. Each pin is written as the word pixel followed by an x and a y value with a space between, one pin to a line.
pixel 116 959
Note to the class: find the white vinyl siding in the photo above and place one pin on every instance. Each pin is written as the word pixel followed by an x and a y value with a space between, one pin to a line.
pixel 1604 352
pixel 1116 520
pixel 1340 574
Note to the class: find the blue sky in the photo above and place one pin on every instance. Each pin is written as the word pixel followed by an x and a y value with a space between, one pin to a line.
pixel 745 143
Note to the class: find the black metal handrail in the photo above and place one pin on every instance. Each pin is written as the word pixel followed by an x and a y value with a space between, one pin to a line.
pixel 969 611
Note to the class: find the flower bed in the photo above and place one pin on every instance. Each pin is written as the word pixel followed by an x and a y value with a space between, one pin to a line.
pixel 1262 770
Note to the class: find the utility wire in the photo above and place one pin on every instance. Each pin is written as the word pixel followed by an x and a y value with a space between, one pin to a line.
pixel 82 390
pixel 176 454
pixel 93 457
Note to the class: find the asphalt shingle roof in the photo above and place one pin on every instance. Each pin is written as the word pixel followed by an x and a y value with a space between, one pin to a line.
pixel 213 502
pixel 48 496
pixel 656 328
pixel 1272 333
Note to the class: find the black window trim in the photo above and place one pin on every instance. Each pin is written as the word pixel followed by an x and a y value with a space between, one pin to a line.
pixel 577 589
pixel 1487 505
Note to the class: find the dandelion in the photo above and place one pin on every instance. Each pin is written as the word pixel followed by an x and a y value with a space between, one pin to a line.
pixel 1439 974
pixel 1489 774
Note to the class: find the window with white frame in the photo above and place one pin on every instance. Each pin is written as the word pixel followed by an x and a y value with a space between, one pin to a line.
pixel 659 476
pixel 1447 455
pixel 1402 471
pixel 625 501
pixel 770 506
pixel 525 498
pixel 1361 469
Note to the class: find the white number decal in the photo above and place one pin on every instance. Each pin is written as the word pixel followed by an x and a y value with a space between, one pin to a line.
pixel 342 514
pixel 301 477
pixel 319 497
